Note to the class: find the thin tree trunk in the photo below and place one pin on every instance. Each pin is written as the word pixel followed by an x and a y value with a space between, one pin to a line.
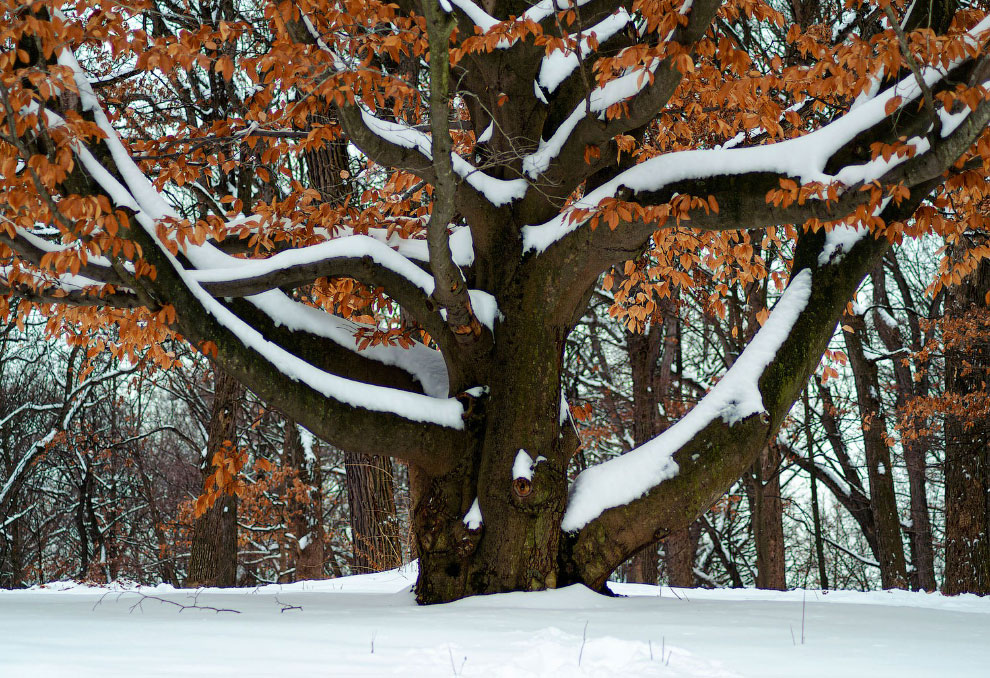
pixel 643 350
pixel 883 501
pixel 920 532
pixel 815 510
pixel 213 558
pixel 370 486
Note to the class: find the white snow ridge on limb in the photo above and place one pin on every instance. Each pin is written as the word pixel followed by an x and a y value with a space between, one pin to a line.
pixel 522 467
pixel 473 519
pixel 737 395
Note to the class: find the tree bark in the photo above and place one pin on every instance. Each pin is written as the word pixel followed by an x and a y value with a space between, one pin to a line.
pixel 768 520
pixel 374 525
pixel 643 351
pixel 915 449
pixel 883 501
pixel 305 511
pixel 679 549
pixel 967 441
pixel 213 558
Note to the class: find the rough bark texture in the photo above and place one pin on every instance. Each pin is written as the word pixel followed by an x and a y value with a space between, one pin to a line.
pixel 306 512
pixel 213 558
pixel 374 525
pixel 967 448
pixel 768 520
pixel 679 549
pixel 644 352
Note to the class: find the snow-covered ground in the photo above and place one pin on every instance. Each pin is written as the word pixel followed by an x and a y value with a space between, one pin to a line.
pixel 370 626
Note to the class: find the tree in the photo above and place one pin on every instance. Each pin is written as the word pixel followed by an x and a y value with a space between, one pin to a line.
pixel 213 558
pixel 967 435
pixel 587 139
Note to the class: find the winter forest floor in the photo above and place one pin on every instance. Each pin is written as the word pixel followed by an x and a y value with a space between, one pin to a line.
pixel 370 626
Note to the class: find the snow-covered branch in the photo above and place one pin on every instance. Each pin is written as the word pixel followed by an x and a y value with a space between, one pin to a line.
pixel 273 370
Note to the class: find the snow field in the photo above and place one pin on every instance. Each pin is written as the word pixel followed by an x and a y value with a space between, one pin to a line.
pixel 370 626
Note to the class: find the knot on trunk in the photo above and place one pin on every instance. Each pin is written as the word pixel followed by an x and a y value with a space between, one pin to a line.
pixel 522 487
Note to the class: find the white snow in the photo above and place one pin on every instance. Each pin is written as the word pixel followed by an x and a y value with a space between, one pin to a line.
pixel 487 134
pixel 803 158
pixel 839 241
pixel 522 466
pixel 558 66
pixel 473 518
pixel 497 191
pixel 369 626
pixel 736 396
pixel 347 247
pixel 485 308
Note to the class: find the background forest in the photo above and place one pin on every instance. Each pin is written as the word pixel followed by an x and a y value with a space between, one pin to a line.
pixel 102 467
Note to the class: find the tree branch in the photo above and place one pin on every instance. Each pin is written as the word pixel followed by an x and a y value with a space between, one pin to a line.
pixel 717 454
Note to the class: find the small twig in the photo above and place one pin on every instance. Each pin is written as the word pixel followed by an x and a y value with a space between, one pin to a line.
pixel 373 634
pixel 584 639
pixel 453 667
pixel 793 639
pixel 287 606
pixel 804 597
pixel 651 650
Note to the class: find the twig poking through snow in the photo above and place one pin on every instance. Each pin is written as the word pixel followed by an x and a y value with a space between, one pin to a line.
pixel 287 606
pixel 139 605
pixel 452 666
pixel 584 639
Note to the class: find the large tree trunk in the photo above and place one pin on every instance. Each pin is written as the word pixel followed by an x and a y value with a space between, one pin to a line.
pixel 967 441
pixel 374 524
pixel 306 554
pixel 883 501
pixel 768 520
pixel 213 558
pixel 515 547
pixel 679 549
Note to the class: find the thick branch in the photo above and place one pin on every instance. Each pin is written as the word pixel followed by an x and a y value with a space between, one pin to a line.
pixel 717 454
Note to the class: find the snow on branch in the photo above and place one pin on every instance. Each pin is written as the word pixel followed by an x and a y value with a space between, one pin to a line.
pixel 624 479
pixel 804 158
pixel 558 65
pixel 497 191
pixel 317 260
pixel 149 206
pixel 597 102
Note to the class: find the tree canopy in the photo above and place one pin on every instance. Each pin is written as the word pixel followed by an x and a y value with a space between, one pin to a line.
pixel 386 218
